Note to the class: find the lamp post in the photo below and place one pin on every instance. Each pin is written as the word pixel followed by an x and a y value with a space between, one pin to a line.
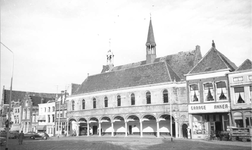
pixel 9 112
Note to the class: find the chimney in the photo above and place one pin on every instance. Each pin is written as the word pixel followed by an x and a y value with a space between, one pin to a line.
pixel 197 48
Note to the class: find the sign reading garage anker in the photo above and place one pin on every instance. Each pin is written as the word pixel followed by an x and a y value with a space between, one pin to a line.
pixel 209 108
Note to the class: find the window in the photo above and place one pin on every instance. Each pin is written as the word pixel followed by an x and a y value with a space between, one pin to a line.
pixel 105 101
pixel 237 79
pixel 239 94
pixel 53 118
pixel 165 96
pixel 132 96
pixel 208 92
pixel 72 105
pixel 250 77
pixel 48 118
pixel 49 109
pixel 83 104
pixel 45 109
pixel 148 97
pixel 94 103
pixel 194 93
pixel 118 100
pixel 221 91
pixel 53 109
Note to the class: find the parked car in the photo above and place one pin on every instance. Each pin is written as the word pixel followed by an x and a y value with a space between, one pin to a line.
pixel 12 135
pixel 2 141
pixel 29 134
pixel 41 135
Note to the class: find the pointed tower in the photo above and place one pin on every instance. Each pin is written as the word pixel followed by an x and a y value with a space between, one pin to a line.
pixel 110 59
pixel 150 45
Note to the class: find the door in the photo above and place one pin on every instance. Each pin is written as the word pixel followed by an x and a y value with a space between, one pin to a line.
pixel 217 128
pixel 94 130
pixel 130 129
pixel 184 130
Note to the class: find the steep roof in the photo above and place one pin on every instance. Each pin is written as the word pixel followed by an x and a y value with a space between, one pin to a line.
pixel 150 37
pixel 213 61
pixel 39 100
pixel 246 65
pixel 164 69
pixel 20 95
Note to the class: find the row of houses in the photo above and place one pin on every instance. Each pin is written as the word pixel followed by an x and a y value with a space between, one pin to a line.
pixel 162 96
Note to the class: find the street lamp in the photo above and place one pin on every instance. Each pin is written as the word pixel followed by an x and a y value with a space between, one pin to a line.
pixel 9 112
pixel 171 120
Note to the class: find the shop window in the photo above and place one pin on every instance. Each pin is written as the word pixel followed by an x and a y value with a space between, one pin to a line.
pixel 194 93
pixel 83 104
pixel 199 126
pixel 208 92
pixel 132 96
pixel 238 119
pixel 238 79
pixel 94 103
pixel 221 91
pixel 239 94
pixel 148 97
pixel 165 96
pixel 118 100
pixel 106 101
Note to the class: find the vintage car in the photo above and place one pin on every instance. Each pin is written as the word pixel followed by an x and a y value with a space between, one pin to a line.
pixel 2 141
pixel 40 135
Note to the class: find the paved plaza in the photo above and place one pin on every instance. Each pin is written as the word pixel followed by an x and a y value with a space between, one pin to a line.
pixel 125 143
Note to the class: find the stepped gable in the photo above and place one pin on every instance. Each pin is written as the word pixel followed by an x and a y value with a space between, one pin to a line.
pixel 135 76
pixel 246 65
pixel 20 95
pixel 213 61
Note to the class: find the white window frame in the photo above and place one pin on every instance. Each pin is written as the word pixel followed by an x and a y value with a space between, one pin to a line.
pixel 216 92
pixel 197 94
pixel 213 94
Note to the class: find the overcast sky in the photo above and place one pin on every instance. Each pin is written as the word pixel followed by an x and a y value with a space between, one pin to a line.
pixel 58 42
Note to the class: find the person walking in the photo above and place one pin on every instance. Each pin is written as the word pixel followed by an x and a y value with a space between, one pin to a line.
pixel 20 138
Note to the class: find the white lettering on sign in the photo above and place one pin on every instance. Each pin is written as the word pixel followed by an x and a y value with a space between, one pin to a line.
pixel 208 108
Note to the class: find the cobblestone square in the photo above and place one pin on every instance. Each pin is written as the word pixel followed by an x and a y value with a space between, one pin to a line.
pixel 125 143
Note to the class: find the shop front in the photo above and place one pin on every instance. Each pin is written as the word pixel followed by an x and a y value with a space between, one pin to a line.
pixel 208 119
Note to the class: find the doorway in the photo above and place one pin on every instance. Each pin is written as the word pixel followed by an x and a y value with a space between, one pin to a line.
pixel 217 128
pixel 184 130
pixel 94 130
pixel 130 129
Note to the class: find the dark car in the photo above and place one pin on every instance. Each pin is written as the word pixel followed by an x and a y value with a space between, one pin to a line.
pixel 2 141
pixel 40 135
pixel 29 134
pixel 12 135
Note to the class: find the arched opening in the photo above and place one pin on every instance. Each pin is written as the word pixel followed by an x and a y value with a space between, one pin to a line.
pixel 133 125
pixel 93 126
pixel 105 126
pixel 72 127
pixel 149 125
pixel 165 125
pixel 82 126
pixel 184 130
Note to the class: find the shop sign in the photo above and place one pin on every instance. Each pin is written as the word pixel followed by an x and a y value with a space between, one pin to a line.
pixel 209 108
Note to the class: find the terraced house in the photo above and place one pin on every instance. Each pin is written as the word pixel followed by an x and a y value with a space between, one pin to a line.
pixel 141 98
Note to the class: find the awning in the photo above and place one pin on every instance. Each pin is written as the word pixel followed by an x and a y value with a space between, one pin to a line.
pixel 41 127
pixel 41 117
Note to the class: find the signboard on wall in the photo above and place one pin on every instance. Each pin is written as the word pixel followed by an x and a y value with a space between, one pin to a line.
pixel 209 108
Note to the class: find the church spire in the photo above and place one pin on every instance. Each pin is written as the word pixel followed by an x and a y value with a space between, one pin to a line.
pixel 150 45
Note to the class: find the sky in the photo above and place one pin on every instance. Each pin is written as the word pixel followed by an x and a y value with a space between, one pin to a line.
pixel 58 42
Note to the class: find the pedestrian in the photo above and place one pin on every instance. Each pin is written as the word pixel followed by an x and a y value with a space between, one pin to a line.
pixel 20 138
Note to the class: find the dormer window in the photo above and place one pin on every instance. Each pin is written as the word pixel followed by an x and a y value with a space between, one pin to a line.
pixel 238 79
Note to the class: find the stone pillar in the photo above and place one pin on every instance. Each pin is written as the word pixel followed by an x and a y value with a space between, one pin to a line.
pixel 78 129
pixel 99 129
pixel 112 128
pixel 67 124
pixel 176 129
pixel 60 128
pixel 88 128
pixel 141 128
pixel 157 128
pixel 126 129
